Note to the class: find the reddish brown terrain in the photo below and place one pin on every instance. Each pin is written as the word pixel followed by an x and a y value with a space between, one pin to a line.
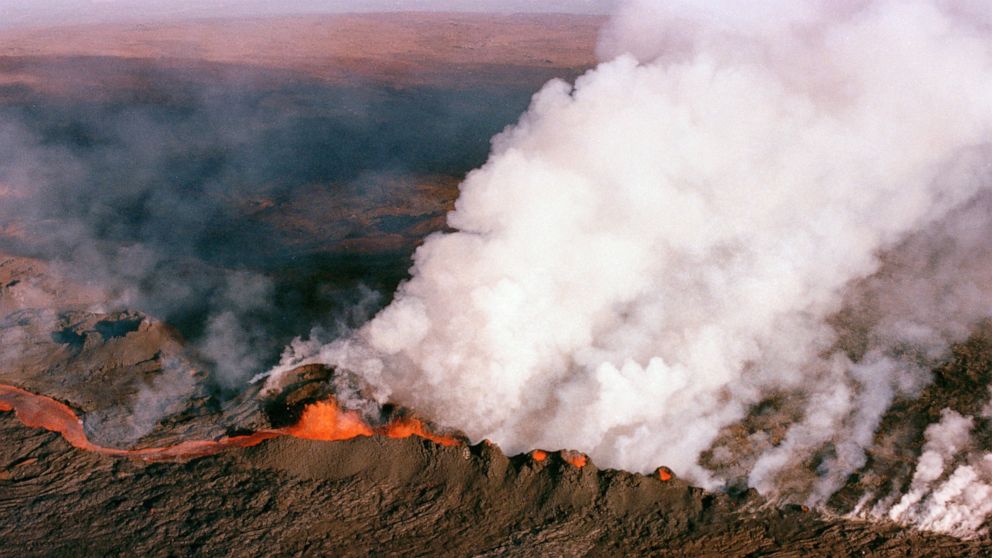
pixel 311 154
pixel 400 49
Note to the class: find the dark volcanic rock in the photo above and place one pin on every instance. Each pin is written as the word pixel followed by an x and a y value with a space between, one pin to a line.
pixel 367 496
pixel 375 496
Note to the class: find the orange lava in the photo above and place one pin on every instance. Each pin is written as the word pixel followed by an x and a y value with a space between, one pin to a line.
pixel 325 421
pixel 406 427
pixel 38 411
pixel 665 474
pixel 574 458
pixel 42 412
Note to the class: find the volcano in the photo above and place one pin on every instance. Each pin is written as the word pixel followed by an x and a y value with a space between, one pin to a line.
pixel 204 225
pixel 291 472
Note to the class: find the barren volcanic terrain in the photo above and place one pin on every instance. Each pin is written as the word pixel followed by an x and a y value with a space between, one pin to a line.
pixel 179 201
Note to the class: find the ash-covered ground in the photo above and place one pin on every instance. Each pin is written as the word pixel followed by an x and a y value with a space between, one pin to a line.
pixel 197 201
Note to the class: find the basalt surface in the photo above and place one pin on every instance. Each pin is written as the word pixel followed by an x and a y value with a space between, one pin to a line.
pixel 376 496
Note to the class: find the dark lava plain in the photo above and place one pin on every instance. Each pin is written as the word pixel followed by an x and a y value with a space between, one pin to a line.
pixel 382 497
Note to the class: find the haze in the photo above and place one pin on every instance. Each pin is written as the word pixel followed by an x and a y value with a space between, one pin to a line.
pixel 40 13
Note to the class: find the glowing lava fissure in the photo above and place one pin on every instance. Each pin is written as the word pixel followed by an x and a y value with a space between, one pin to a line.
pixel 665 474
pixel 405 427
pixel 322 420
pixel 325 420
pixel 575 458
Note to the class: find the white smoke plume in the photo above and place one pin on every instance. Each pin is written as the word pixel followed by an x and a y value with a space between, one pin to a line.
pixel 960 502
pixel 656 248
pixel 945 440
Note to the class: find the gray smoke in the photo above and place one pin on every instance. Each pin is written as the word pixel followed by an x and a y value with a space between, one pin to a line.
pixel 152 180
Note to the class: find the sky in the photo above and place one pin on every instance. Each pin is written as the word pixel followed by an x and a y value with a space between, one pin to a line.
pixel 21 13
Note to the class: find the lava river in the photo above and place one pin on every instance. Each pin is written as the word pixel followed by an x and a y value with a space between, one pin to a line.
pixel 323 420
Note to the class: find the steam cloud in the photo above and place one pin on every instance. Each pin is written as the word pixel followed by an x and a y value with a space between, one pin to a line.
pixel 146 180
pixel 962 501
pixel 180 189
pixel 651 252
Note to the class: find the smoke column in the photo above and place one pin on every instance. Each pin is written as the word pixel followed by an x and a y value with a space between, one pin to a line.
pixel 653 250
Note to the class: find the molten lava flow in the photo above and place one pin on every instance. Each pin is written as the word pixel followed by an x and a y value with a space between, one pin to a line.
pixel 665 474
pixel 38 411
pixel 324 420
pixel 574 458
pixel 408 426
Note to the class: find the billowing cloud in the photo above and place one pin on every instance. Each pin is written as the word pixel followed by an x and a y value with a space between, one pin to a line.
pixel 662 245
